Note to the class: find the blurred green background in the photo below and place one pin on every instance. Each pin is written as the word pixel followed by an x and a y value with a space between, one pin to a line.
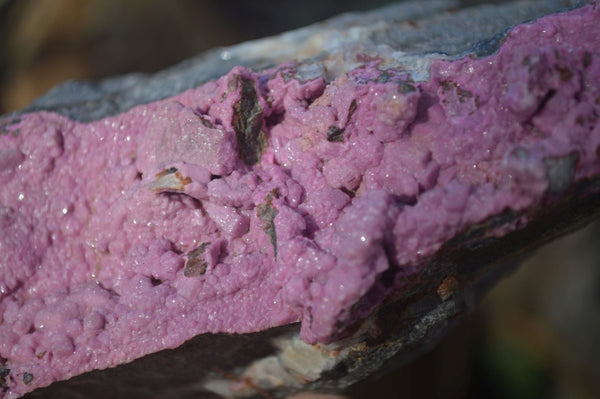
pixel 536 335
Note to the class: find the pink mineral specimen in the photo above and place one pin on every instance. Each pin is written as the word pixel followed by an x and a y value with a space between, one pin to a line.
pixel 259 200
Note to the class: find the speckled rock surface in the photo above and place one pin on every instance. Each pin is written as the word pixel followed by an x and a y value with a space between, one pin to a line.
pixel 372 190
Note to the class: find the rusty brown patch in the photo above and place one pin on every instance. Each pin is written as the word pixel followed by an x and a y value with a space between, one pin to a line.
pixel 447 288
pixel 170 179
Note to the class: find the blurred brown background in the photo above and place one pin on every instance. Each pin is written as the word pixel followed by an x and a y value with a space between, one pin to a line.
pixel 537 335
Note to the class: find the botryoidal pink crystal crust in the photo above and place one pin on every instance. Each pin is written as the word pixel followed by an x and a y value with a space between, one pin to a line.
pixel 259 200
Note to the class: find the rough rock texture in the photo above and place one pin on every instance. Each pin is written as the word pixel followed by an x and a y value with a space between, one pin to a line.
pixel 373 191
